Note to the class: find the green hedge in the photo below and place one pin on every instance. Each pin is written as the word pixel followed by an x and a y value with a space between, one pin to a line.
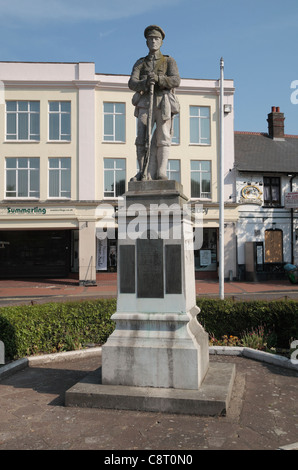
pixel 46 328
pixel 225 317
pixel 54 327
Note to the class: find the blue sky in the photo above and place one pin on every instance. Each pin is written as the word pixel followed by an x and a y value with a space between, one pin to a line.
pixel 257 39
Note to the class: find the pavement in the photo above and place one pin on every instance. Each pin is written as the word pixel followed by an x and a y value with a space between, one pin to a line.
pixel 14 292
pixel 262 414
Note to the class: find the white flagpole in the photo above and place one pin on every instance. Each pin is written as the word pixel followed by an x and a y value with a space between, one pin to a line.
pixel 221 185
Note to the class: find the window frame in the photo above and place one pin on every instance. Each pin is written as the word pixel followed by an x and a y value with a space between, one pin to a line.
pixel 173 170
pixel 18 113
pixel 30 174
pixel 201 172
pixel 59 112
pixel 201 140
pixel 114 114
pixel 270 202
pixel 60 169
pixel 114 170
pixel 176 125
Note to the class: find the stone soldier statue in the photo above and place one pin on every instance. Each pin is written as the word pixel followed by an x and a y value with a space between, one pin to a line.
pixel 154 79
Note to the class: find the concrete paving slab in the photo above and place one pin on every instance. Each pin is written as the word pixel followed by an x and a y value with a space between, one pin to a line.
pixel 211 399
pixel 262 413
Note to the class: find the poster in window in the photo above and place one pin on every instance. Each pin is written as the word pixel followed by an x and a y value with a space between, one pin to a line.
pixel 101 259
pixel 259 254
pixel 113 256
pixel 205 257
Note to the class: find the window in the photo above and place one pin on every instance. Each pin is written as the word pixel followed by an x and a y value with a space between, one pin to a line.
pixel 59 177
pixel 200 179
pixel 173 170
pixel 22 177
pixel 176 129
pixel 199 125
pixel 271 191
pixel 114 122
pixel 114 177
pixel 22 120
pixel 59 120
pixel 206 257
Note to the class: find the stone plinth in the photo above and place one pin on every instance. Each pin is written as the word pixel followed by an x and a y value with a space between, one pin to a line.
pixel 157 358
pixel 157 341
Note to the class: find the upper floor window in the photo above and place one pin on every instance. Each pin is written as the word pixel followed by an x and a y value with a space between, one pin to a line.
pixel 114 122
pixel 200 179
pixel 176 129
pixel 59 177
pixel 272 191
pixel 59 120
pixel 173 170
pixel 22 120
pixel 199 125
pixel 22 177
pixel 114 177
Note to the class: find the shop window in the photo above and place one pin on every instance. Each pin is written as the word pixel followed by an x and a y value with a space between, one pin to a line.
pixel 59 120
pixel 206 257
pixel 114 122
pixel 22 120
pixel 271 191
pixel 60 177
pixel 33 253
pixel 199 125
pixel 106 254
pixel 173 170
pixel 200 179
pixel 114 177
pixel 22 177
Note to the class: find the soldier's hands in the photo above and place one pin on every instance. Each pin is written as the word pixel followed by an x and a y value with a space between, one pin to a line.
pixel 152 78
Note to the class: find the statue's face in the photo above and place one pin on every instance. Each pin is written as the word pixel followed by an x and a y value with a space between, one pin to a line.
pixel 154 43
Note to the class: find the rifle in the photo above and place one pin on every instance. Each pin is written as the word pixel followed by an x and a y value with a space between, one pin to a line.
pixel 148 134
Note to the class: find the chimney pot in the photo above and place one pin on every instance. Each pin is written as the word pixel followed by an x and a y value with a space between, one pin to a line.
pixel 273 109
pixel 277 109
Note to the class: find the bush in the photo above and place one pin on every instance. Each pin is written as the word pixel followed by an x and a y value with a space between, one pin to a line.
pixel 279 319
pixel 54 327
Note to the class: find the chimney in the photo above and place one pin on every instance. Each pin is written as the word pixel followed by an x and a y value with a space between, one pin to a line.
pixel 276 128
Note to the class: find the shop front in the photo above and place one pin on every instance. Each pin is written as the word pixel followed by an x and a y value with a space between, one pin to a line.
pixel 35 253
pixel 50 239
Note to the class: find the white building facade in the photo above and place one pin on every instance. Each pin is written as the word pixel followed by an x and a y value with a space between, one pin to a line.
pixel 266 188
pixel 67 137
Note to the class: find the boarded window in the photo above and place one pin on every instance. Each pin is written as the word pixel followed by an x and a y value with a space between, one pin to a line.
pixel 273 246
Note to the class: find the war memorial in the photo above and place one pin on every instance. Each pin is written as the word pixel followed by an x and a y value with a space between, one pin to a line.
pixel 157 358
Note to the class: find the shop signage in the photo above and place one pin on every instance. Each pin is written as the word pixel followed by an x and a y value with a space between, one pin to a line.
pixel 291 200
pixel 26 210
pixel 250 194
pixel 15 211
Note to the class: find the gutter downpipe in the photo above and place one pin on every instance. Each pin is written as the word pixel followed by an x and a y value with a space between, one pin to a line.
pixel 292 222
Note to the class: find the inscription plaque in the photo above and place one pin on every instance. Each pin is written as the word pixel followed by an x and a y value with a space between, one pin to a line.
pixel 150 283
pixel 127 269
pixel 173 269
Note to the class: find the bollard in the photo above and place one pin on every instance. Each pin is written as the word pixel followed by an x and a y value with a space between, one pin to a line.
pixel 2 353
